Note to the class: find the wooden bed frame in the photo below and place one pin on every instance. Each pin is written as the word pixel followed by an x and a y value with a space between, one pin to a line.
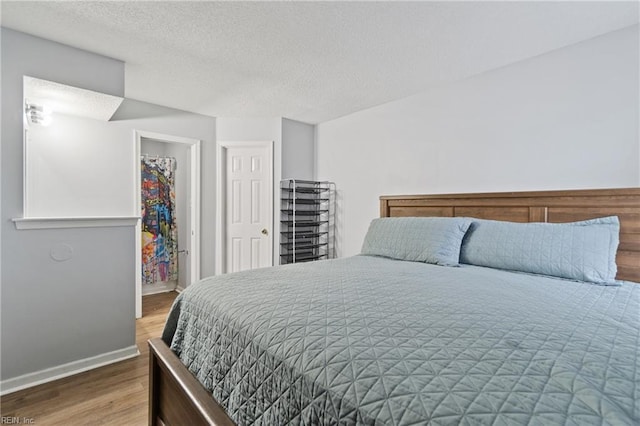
pixel 175 395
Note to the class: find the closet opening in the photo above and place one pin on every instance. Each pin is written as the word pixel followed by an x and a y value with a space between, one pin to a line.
pixel 168 198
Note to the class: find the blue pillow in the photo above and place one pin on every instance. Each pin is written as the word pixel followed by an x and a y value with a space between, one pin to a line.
pixel 434 240
pixel 583 251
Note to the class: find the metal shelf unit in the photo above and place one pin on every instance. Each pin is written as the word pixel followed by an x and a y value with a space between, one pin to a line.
pixel 307 217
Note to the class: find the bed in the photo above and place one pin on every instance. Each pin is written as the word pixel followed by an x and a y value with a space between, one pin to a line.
pixel 372 340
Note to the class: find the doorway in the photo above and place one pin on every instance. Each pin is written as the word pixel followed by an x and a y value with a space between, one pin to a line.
pixel 183 156
pixel 244 219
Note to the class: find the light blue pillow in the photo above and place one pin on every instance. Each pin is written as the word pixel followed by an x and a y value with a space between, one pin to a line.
pixel 434 240
pixel 583 251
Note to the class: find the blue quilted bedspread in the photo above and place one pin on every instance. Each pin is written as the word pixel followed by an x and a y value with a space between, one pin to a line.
pixel 366 340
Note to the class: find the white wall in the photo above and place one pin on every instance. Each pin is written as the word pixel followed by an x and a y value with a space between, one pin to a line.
pixel 77 167
pixel 249 129
pixel 564 120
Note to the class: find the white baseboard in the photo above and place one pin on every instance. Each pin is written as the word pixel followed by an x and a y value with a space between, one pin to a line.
pixel 54 373
pixel 179 289
pixel 163 287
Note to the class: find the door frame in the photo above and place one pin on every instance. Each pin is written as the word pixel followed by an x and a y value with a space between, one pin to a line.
pixel 193 152
pixel 221 196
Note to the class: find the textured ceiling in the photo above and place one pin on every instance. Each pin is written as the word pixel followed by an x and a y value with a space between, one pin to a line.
pixel 64 99
pixel 309 61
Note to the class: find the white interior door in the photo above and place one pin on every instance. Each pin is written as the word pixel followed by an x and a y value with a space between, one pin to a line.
pixel 248 211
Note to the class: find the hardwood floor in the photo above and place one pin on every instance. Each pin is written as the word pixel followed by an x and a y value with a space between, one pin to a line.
pixel 116 394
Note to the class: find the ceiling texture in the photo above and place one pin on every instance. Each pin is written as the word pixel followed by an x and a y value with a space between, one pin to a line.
pixel 309 61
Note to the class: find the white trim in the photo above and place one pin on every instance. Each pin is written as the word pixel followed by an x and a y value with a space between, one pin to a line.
pixel 220 234
pixel 177 289
pixel 277 176
pixel 196 178
pixel 25 166
pixel 137 196
pixel 74 222
pixel 221 147
pixel 158 288
pixel 161 137
pixel 65 370
pixel 194 147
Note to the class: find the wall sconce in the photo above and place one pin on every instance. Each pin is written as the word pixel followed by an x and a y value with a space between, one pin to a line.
pixel 38 114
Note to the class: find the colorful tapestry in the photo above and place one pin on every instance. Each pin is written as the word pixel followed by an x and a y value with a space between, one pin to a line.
pixel 159 230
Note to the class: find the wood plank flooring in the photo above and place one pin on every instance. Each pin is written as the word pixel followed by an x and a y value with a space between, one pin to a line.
pixel 116 394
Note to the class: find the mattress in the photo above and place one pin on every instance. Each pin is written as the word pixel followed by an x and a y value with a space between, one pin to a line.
pixel 368 340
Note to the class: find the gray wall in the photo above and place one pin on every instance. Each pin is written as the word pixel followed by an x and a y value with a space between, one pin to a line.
pixel 57 312
pixel 52 312
pixel 298 150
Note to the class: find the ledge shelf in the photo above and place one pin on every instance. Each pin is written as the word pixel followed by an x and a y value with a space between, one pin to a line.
pixel 74 222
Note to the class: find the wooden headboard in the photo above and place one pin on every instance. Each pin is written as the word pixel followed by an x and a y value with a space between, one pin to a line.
pixel 538 206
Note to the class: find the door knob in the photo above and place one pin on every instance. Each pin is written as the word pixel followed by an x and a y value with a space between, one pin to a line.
pixel 264 231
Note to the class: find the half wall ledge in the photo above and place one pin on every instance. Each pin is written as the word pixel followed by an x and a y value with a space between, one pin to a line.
pixel 24 223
